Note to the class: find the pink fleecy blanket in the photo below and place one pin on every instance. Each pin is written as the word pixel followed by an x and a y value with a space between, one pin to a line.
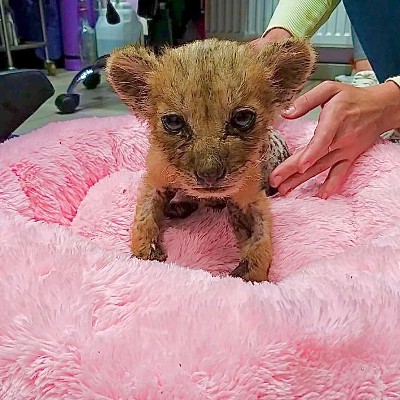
pixel 79 319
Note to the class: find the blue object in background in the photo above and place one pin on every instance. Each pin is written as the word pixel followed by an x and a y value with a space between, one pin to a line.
pixel 377 26
pixel 27 19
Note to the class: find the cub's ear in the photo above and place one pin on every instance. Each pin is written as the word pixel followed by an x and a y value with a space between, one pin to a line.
pixel 127 72
pixel 287 66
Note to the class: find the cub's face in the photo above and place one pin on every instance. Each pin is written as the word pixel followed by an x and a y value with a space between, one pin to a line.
pixel 209 104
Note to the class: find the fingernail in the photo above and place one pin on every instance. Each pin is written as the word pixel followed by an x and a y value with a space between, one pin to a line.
pixel 323 195
pixel 284 190
pixel 289 110
pixel 304 167
pixel 276 181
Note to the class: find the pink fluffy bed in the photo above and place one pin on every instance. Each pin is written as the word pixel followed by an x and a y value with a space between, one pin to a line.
pixel 80 319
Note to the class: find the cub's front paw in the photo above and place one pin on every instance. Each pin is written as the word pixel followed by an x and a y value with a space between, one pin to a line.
pixel 152 251
pixel 250 272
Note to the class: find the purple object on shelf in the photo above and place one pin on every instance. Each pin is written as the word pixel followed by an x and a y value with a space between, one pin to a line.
pixel 70 31
pixel 70 23
pixel 91 13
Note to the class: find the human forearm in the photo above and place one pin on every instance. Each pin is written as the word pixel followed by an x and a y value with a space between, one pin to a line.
pixel 390 97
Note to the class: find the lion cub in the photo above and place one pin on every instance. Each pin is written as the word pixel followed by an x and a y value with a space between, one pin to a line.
pixel 210 105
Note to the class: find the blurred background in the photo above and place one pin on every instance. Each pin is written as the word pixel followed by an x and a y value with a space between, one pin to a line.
pixel 69 41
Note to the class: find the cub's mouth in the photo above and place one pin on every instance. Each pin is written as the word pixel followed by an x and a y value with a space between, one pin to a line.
pixel 229 184
pixel 212 189
pixel 211 192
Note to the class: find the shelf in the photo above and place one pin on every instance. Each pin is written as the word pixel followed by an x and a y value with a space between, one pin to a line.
pixel 26 46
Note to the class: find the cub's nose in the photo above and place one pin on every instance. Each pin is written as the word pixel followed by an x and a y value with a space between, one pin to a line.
pixel 209 177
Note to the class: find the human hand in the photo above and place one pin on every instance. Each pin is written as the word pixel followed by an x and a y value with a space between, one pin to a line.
pixel 274 35
pixel 351 121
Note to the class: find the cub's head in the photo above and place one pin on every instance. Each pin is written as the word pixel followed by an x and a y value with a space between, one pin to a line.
pixel 209 104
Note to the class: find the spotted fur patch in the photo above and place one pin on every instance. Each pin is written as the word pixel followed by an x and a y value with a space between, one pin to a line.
pixel 275 152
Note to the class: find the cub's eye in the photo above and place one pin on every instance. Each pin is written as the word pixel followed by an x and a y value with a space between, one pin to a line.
pixel 173 122
pixel 243 119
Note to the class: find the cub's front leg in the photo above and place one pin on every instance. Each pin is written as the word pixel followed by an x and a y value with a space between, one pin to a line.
pixel 147 223
pixel 252 225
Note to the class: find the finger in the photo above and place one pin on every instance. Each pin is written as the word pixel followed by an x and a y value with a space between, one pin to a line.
pixel 315 97
pixel 323 139
pixel 257 44
pixel 284 170
pixel 336 178
pixel 298 178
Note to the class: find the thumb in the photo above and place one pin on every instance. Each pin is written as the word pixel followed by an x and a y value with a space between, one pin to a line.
pixel 312 99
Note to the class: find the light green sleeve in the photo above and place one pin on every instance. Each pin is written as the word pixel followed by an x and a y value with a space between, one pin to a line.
pixel 302 18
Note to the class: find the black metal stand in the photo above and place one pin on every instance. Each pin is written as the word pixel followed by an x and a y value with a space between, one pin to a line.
pixel 90 77
pixel 8 48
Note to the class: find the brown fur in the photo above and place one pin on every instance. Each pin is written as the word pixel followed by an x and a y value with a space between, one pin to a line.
pixel 206 83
